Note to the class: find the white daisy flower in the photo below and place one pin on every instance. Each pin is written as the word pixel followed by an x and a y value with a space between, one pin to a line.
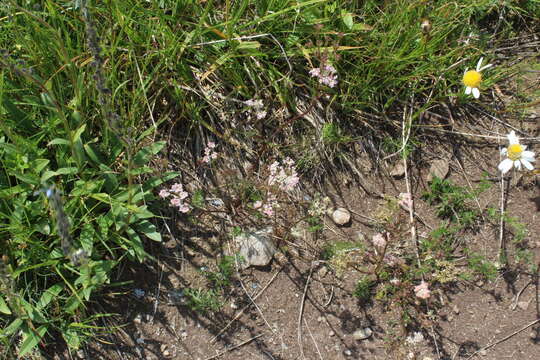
pixel 516 155
pixel 472 79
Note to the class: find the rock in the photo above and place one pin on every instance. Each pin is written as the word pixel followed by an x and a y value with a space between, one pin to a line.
pixel 483 352
pixel 137 319
pixel 347 352
pixel 331 333
pixel 256 248
pixel 341 216
pixel 398 171
pixel 523 305
pixel 320 318
pixel 439 168
pixel 300 230
pixel 322 272
pixel 362 334
pixel 455 309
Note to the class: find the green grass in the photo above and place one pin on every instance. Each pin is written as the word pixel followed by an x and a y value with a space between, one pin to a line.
pixel 93 129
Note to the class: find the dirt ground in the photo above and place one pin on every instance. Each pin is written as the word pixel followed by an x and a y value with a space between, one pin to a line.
pixel 299 307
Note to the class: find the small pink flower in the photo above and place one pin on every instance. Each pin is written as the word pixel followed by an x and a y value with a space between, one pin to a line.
pixel 405 200
pixel 206 159
pixel 378 240
pixel 164 193
pixel 268 210
pixel 176 187
pixel 211 144
pixel 422 290
pixel 183 208
pixel 257 204
pixel 260 114
pixel 315 72
pixel 182 195
pixel 395 281
pixel 175 201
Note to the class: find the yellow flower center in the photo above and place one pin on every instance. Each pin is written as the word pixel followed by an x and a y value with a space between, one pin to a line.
pixel 514 152
pixel 472 78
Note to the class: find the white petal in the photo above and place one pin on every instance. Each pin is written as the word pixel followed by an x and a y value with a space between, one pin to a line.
pixel 479 65
pixel 512 138
pixel 468 90
pixel 504 151
pixel 505 165
pixel 485 67
pixel 476 93
pixel 527 164
pixel 523 147
pixel 517 164
pixel 528 155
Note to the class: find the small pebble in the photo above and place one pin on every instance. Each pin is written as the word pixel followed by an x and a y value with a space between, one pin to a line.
pixel 362 334
pixel 320 318
pixel 341 216
pixel 523 305
pixel 331 333
pixel 483 352
pixel 347 352
pixel 137 319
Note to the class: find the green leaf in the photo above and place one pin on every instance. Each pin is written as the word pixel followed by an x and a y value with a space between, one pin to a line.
pixel 149 230
pixel 136 248
pixel 154 182
pixel 31 338
pixel 79 132
pixel 58 141
pixel 13 327
pixel 62 171
pixel 347 19
pixel 145 154
pixel 4 307
pixel 88 234
pixel 48 295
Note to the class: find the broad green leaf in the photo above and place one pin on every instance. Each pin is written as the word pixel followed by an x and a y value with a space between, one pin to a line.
pixel 154 182
pixel 149 230
pixel 79 132
pixel 145 154
pixel 62 171
pixel 347 19
pixel 58 141
pixel 13 327
pixel 4 308
pixel 48 295
pixel 88 234
pixel 31 338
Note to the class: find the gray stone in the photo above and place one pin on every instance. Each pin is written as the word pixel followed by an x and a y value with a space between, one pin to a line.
pixel 341 216
pixel 256 248
pixel 362 334
pixel 439 168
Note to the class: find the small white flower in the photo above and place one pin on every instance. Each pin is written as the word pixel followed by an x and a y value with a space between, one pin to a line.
pixel 472 79
pixel 516 155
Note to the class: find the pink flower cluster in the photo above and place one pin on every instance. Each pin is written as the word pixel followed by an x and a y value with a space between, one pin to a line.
pixel 178 195
pixel 326 74
pixel 257 106
pixel 209 152
pixel 268 206
pixel 283 176
pixel 422 291
pixel 379 240
pixel 405 201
